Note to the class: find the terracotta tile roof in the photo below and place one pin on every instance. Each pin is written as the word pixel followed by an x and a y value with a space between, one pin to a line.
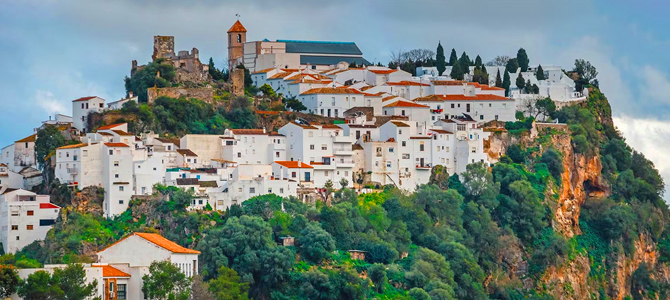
pixel 116 145
pixel 406 104
pixel 485 87
pixel 441 131
pixel 365 88
pixel 381 72
pixel 294 164
pixel 84 98
pixel 109 271
pixel 310 81
pixel 249 131
pixel 447 82
pixel 208 183
pixel 330 126
pixel 390 140
pixel 122 133
pixel 362 126
pixel 388 98
pixel 105 133
pixel 186 152
pixel 405 82
pixel 223 161
pixel 461 98
pixel 28 139
pixel 168 141
pixel 187 181
pixel 72 146
pixel 48 206
pixel 110 126
pixel 158 240
pixel 263 71
pixel 304 126
pixel 329 90
pixel 280 75
pixel 356 147
pixel 3 165
pixel 399 124
pixel 237 27
pixel 419 137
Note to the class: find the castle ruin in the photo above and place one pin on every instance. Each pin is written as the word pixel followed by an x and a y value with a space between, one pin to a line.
pixel 187 66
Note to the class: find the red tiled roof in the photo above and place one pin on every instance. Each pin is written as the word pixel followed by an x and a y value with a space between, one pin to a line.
pixel 263 71
pixel 405 82
pixel 48 206
pixel 399 124
pixel 383 71
pixel 448 82
pixel 116 145
pixel 158 240
pixel 122 133
pixel 330 126
pixel 109 271
pixel 441 131
pixel 72 146
pixel 248 131
pixel 186 152
pixel 294 164
pixel 406 104
pixel 461 98
pixel 110 126
pixel 419 137
pixel 84 98
pixel 28 139
pixel 329 90
pixel 237 27
pixel 485 87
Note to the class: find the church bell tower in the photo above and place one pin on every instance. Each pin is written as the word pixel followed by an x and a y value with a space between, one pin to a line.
pixel 237 36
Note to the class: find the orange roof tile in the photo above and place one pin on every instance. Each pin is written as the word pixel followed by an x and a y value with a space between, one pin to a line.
pixel 399 124
pixel 122 133
pixel 263 71
pixel 280 75
pixel 448 82
pixel 186 152
pixel 330 126
pixel 28 139
pixel 72 146
pixel 158 240
pixel 405 82
pixel 441 131
pixel 406 104
pixel 365 88
pixel 237 27
pixel 329 90
pixel 116 145
pixel 461 98
pixel 381 72
pixel 110 126
pixel 109 271
pixel 294 164
pixel 388 98
pixel 485 87
pixel 84 98
pixel 249 131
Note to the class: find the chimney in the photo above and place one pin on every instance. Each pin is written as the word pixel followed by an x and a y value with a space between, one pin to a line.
pixel 130 94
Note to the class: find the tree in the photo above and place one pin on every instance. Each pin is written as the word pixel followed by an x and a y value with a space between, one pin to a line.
pixel 500 60
pixel 316 244
pixel 295 105
pixel 377 274
pixel 216 74
pixel 268 91
pixel 520 82
pixel 545 107
pixel 522 59
pixel 506 83
pixel 457 72
pixel 39 286
pixel 512 65
pixel 522 211
pixel 440 60
pixel 499 82
pixel 554 161
pixel 165 281
pixel 228 286
pixel 478 61
pixel 585 70
pixel 344 182
pixel 418 294
pixel 453 57
pixel 540 73
pixel 528 87
pixel 200 289
pixel 465 62
pixel 9 281
pixel 147 77
pixel 479 185
pixel 72 281
pixel 327 190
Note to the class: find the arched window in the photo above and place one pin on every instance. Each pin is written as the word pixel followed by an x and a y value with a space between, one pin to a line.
pixel 239 38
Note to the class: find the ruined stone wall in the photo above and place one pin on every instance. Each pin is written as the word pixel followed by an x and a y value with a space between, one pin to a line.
pixel 205 94
pixel 237 78
pixel 163 47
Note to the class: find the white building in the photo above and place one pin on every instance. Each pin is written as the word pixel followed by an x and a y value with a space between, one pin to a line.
pixel 248 181
pixel 82 107
pixel 25 217
pixel 119 103
pixel 482 108
pixel 117 177
pixel 253 146
pixel 9 178
pixel 332 102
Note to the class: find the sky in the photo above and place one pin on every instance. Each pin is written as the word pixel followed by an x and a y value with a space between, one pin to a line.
pixel 55 51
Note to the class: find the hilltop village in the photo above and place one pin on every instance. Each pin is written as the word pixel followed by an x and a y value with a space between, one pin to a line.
pixel 289 129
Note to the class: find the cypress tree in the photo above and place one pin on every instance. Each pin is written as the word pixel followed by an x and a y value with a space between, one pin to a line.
pixel 465 60
pixel 522 59
pixel 506 82
pixel 528 87
pixel 520 82
pixel 540 73
pixel 512 65
pixel 499 80
pixel 457 71
pixel 453 57
pixel 440 59
pixel 478 61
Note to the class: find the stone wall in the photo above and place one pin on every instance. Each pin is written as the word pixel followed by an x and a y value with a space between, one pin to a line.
pixel 237 78
pixel 205 94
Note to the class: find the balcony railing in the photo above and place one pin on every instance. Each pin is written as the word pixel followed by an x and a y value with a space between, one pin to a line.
pixel 72 171
pixel 423 166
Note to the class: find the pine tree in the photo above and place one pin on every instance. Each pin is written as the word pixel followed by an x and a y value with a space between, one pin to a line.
pixel 465 60
pixel 522 59
pixel 499 82
pixel 453 57
pixel 506 82
pixel 478 61
pixel 457 71
pixel 440 59
pixel 540 73
pixel 520 82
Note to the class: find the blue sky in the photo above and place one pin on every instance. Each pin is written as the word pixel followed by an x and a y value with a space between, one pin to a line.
pixel 54 51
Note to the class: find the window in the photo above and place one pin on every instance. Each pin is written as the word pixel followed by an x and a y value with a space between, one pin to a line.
pixel 118 152
pixel 281 190
pixel 47 222
pixel 15 214
pixel 116 163
pixel 239 154
pixel 489 104
pixel 402 112
pixel 438 149
pixel 117 175
pixel 67 154
pixel 452 105
pixel 293 174
pixel 15 227
pixel 121 292
pixel 276 154
pixel 29 227
pixel 496 117
pixel 399 131
pixel 121 202
pixel 252 190
pixel 324 147
pixel 388 164
pixel 327 173
pixel 239 38
pixel 310 134
pixel 421 146
pixel 120 188
pixel 391 149
pixel 200 202
pixel 481 117
pixel 504 105
pixel 447 149
pixel 311 147
pixel 404 143
pixel 270 191
pixel 31 213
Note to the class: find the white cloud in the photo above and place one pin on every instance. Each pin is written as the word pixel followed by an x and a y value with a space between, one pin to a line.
pixel 48 102
pixel 654 85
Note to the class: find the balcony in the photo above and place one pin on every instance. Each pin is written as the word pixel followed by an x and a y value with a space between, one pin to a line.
pixel 346 164
pixel 423 166
pixel 343 139
pixel 279 146
pixel 72 171
pixel 345 151
pixel 437 111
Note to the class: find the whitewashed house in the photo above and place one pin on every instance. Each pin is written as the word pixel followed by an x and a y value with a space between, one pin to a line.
pixel 25 217
pixel 82 107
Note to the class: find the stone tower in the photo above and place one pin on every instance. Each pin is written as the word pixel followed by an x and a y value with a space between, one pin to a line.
pixel 237 36
pixel 163 47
